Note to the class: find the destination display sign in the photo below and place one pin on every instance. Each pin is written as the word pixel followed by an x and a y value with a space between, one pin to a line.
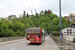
pixel 33 30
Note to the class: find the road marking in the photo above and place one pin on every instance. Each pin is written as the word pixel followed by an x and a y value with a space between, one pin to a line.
pixel 13 48
pixel 44 45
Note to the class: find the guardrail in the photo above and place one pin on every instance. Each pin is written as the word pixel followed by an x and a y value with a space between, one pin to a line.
pixel 4 39
pixel 64 45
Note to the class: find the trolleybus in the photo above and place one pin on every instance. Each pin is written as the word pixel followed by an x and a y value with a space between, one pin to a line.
pixel 35 35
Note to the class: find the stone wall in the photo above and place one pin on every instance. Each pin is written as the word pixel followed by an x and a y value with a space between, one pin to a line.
pixel 4 39
pixel 64 45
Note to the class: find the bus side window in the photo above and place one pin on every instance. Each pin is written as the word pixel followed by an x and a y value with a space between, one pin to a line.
pixel 41 33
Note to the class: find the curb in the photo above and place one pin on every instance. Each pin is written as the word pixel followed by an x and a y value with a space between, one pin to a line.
pixel 8 42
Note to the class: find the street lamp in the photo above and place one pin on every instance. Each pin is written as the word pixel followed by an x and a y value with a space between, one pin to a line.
pixel 61 37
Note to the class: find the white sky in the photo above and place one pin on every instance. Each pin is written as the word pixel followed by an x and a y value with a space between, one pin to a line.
pixel 16 7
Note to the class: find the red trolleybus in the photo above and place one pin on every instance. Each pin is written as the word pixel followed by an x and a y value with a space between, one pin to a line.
pixel 35 35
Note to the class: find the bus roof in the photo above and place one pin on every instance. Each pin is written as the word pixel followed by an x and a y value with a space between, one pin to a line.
pixel 34 28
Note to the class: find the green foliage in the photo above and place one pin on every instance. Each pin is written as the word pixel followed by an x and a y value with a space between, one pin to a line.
pixel 69 22
pixel 18 27
pixel 11 29
pixel 56 26
pixel 74 40
pixel 55 32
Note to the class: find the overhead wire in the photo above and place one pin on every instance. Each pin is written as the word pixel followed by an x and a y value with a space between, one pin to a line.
pixel 8 5
pixel 22 4
pixel 33 6
pixel 28 4
pixel 29 7
pixel 8 8
pixel 68 6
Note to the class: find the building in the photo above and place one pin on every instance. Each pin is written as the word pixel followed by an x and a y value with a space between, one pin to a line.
pixel 71 17
pixel 72 25
pixel 68 33
pixel 31 16
pixel 66 17
pixel 12 16
pixel 6 18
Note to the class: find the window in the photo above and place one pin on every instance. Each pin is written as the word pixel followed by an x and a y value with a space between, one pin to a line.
pixel 41 33
pixel 67 30
pixel 70 34
pixel 73 34
pixel 64 32
pixel 67 37
pixel 69 19
pixel 74 20
pixel 70 30
pixel 67 34
pixel 64 37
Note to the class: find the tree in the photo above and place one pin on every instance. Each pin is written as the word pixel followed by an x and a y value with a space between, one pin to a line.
pixel 18 27
pixel 45 12
pixel 55 24
pixel 27 15
pixel 52 16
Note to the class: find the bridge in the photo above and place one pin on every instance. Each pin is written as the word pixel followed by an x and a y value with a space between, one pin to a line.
pixel 50 43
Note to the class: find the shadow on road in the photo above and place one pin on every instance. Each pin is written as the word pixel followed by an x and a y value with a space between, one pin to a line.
pixel 34 44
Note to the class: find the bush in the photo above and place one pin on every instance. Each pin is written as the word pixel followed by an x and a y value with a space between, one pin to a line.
pixel 54 31
pixel 74 40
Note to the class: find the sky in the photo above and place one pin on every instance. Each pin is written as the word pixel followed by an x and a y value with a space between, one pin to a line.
pixel 16 7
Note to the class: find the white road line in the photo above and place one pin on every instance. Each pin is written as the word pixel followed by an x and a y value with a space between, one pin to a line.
pixel 13 48
pixel 44 45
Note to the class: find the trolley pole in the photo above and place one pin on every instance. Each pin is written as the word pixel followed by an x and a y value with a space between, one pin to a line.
pixel 61 38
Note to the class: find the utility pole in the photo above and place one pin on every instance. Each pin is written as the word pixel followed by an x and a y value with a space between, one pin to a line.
pixel 31 12
pixel 27 19
pixel 24 12
pixel 61 35
pixel 51 28
pixel 37 19
pixel 35 11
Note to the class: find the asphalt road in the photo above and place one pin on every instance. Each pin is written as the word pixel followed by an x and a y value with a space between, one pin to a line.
pixel 22 45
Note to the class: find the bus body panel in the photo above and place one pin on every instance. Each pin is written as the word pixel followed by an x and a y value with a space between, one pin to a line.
pixel 34 35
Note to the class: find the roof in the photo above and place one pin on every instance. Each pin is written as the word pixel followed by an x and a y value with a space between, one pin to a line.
pixel 68 28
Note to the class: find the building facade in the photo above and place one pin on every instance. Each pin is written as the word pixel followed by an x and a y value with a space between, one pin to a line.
pixel 71 17
pixel 68 33
pixel 66 17
pixel 12 16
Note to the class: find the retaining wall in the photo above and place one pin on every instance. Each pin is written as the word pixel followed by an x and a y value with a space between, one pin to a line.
pixel 4 39
pixel 64 45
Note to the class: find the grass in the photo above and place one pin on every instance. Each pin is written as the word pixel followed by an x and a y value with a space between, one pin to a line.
pixel 55 36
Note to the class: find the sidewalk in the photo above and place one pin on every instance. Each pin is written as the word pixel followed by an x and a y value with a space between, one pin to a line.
pixel 50 44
